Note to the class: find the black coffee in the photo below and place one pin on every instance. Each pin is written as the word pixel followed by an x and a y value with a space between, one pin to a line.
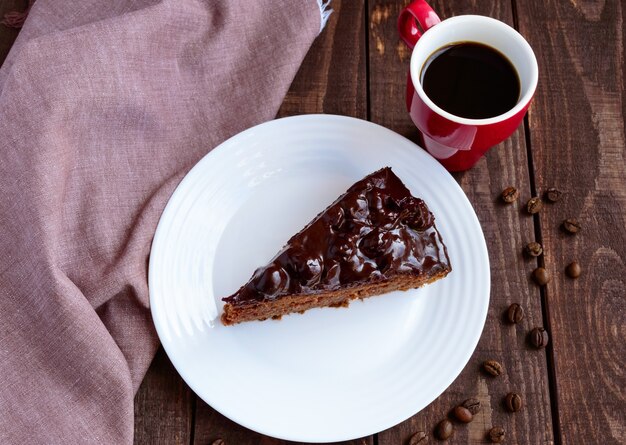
pixel 471 80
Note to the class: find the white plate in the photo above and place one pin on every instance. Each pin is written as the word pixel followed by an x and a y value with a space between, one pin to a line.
pixel 329 374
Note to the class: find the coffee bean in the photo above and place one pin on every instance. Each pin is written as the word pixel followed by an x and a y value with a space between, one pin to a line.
pixel 473 405
pixel 533 249
pixel 493 368
pixel 571 226
pixel 515 313
pixel 463 414
pixel 573 269
pixel 218 442
pixel 534 205
pixel 509 195
pixel 541 276
pixel 553 195
pixel 539 338
pixel 513 402
pixel 419 438
pixel 444 429
pixel 496 434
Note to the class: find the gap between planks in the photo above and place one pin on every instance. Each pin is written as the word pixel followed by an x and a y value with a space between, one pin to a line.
pixel 545 307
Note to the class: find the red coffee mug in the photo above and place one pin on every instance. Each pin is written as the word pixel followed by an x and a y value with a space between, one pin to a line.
pixel 457 142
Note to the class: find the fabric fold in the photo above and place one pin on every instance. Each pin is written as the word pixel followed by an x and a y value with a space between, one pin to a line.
pixel 103 109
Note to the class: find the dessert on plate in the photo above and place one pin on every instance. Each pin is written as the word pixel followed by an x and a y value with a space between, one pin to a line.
pixel 375 238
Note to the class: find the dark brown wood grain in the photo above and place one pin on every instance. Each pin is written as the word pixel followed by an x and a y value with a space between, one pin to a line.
pixel 211 425
pixel 574 390
pixel 506 230
pixel 332 80
pixel 8 35
pixel 578 145
pixel 163 406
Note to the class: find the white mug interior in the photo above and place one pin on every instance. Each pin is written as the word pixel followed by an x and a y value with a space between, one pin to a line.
pixel 485 30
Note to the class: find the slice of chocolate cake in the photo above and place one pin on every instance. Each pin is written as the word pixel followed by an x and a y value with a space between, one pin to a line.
pixel 375 238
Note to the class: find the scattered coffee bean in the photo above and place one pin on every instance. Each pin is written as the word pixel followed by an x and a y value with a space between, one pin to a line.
pixel 496 434
pixel 534 205
pixel 539 338
pixel 533 249
pixel 219 442
pixel 463 414
pixel 513 402
pixel 444 429
pixel 541 276
pixel 509 195
pixel 570 225
pixel 493 367
pixel 419 438
pixel 573 269
pixel 515 313
pixel 473 405
pixel 553 195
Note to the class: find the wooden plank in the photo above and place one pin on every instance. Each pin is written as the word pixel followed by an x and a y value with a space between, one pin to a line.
pixel 577 138
pixel 163 406
pixel 506 230
pixel 8 35
pixel 211 425
pixel 332 79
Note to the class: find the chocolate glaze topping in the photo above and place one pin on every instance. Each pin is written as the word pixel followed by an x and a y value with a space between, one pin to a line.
pixel 370 233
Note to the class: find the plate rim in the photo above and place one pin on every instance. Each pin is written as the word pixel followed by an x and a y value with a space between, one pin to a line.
pixel 324 119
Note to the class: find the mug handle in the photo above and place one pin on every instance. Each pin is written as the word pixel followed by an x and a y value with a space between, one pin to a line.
pixel 418 12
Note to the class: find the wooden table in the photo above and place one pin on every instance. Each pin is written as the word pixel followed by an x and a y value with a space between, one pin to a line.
pixel 572 139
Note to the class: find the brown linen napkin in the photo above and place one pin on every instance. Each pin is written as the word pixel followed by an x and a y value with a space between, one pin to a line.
pixel 104 106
